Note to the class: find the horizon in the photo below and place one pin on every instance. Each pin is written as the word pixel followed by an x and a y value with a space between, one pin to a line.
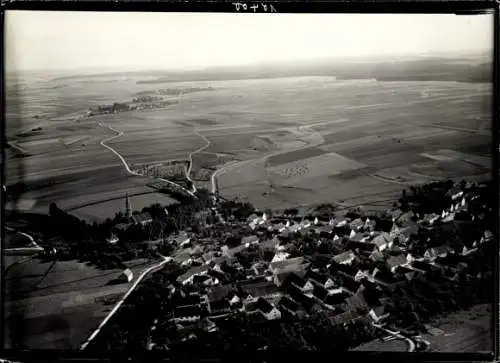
pixel 71 41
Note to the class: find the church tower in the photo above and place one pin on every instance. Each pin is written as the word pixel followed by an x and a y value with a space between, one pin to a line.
pixel 128 206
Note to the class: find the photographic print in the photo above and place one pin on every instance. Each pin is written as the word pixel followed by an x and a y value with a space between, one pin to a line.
pixel 210 182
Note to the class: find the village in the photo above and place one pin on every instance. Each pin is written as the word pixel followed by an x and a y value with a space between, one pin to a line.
pixel 353 269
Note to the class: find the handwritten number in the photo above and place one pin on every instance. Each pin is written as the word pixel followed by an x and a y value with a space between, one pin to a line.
pixel 255 7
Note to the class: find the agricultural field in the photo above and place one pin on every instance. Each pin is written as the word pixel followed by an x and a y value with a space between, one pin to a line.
pixel 293 140
pixel 467 331
pixel 59 310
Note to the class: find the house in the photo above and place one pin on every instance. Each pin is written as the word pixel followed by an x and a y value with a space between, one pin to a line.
pixel 321 279
pixel 344 318
pixel 335 301
pixel 422 266
pixel 345 258
pixel 231 252
pixel 286 263
pixel 350 285
pixel 360 246
pixel 406 219
pixel 259 268
pixel 187 277
pixel 270 244
pixel 455 193
pixel 326 230
pixel 360 275
pixel 376 255
pixel 260 289
pixel 369 224
pixel 126 276
pixel 288 306
pixel 120 227
pixel 221 292
pixel 187 314
pixel 432 253
pixel 142 219
pixel 342 270
pixel 300 297
pixel 387 279
pixel 280 275
pixel 396 214
pixel 382 241
pixel 304 285
pixel 403 235
pixel 280 256
pixel 356 302
pixel 356 224
pixel 253 218
pixel 249 240
pixel 342 223
pixel 393 262
pixel 269 311
pixel 305 223
pixel 361 237
pixel 207 325
pixel 378 314
pixel 430 218
pixel 220 307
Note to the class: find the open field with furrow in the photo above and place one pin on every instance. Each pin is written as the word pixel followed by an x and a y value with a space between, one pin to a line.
pixel 66 306
pixel 465 331
pixel 313 167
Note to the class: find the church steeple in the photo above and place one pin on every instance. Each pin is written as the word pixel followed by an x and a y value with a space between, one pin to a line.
pixel 128 206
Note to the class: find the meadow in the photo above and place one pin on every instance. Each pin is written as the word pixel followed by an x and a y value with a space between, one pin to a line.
pixel 298 141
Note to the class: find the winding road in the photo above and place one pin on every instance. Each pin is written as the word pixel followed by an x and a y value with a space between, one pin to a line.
pixel 199 150
pixel 398 335
pixel 125 164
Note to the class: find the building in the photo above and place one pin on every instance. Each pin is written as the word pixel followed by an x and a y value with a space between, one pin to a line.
pixel 345 258
pixel 128 206
pixel 393 262
pixel 188 276
pixel 323 280
pixel 269 311
pixel 286 263
pixel 142 219
pixel 126 276
pixel 432 253
pixel 382 241
pixel 260 289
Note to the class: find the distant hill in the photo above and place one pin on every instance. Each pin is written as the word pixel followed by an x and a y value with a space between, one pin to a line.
pixel 437 68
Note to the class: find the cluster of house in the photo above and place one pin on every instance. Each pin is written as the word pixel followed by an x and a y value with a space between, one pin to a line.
pixel 355 283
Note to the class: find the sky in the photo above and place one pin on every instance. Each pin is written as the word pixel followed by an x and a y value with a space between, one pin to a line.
pixel 37 40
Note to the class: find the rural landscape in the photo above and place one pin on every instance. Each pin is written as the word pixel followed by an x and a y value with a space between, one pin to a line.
pixel 341 204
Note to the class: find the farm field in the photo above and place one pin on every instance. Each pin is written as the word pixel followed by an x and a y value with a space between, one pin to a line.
pixel 360 137
pixel 378 345
pixel 66 306
pixel 465 331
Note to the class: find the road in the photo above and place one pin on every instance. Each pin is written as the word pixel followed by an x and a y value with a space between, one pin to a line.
pixel 120 303
pixel 199 150
pixel 411 343
pixel 124 162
